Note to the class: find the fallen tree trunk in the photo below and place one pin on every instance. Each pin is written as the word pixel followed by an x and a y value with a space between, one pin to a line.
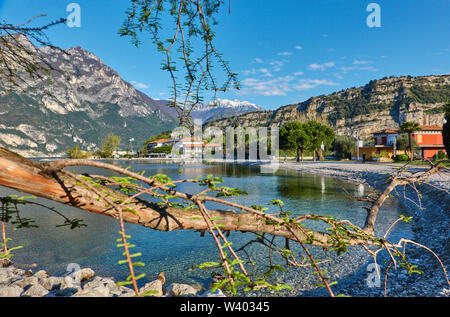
pixel 33 178
pixel 50 181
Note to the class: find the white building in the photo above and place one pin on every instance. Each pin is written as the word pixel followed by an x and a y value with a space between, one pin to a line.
pixel 191 148
pixel 158 143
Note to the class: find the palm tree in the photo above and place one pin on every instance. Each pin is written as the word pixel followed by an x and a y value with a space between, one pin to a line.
pixel 410 127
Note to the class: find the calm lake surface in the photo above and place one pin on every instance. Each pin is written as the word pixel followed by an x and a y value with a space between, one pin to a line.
pixel 53 248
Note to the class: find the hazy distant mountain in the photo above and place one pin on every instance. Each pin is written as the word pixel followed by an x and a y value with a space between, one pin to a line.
pixel 381 104
pixel 223 108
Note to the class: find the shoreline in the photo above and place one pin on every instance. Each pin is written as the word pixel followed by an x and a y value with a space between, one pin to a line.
pixel 430 225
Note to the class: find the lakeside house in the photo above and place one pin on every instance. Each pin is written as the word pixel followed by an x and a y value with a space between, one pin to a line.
pixel 384 147
pixel 429 141
pixel 158 143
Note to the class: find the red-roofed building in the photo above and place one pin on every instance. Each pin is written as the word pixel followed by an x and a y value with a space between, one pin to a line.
pixel 430 141
pixel 386 137
pixel 158 143
pixel 384 147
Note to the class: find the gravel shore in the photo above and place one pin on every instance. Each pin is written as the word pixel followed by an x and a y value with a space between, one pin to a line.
pixel 430 225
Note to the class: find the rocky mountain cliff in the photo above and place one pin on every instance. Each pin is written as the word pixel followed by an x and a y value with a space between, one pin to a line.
pixel 86 100
pixel 381 104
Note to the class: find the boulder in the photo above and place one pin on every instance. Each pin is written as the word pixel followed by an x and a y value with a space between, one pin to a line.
pixel 70 282
pixel 102 290
pixel 10 291
pixel 5 262
pixel 86 274
pixel 53 283
pixel 101 281
pixel 93 292
pixel 35 290
pixel 181 290
pixel 41 274
pixel 66 292
pixel 153 288
pixel 26 282
pixel 7 275
pixel 123 291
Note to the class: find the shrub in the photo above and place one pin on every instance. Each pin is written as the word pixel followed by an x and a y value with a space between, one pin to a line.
pixel 401 158
pixel 440 155
pixel 344 146
pixel 163 149
pixel 76 153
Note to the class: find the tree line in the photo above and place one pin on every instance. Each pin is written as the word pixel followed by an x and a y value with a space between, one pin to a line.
pixel 306 136
pixel 110 145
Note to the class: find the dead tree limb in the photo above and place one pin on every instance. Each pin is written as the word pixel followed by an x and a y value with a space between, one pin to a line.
pixel 372 211
pixel 38 179
pixel 48 181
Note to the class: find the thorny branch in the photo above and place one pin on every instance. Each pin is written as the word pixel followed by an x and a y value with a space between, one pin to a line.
pixel 19 62
pixel 192 20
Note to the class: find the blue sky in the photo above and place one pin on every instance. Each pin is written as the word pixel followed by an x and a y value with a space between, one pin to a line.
pixel 284 52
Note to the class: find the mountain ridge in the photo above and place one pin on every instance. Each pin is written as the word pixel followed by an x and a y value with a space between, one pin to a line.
pixel 86 101
pixel 381 104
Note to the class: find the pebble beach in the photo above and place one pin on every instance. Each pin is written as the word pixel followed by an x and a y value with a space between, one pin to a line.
pixel 430 225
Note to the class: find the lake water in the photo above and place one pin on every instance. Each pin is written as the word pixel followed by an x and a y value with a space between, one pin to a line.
pixel 53 248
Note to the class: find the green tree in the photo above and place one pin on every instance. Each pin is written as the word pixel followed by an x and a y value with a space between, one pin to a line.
pixel 410 127
pixel 403 142
pixel 344 146
pixel 319 133
pixel 293 136
pixel 446 129
pixel 76 153
pixel 163 135
pixel 109 145
pixel 163 149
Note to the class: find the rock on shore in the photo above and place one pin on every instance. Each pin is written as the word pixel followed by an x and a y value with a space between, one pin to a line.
pixel 15 282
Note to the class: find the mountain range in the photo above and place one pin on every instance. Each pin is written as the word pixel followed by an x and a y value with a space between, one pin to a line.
pixel 86 100
pixel 381 104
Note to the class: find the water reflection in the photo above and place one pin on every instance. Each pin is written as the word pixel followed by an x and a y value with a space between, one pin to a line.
pixel 361 190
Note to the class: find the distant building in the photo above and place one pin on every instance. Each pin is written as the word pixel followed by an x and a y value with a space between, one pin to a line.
pixel 191 148
pixel 186 147
pixel 429 141
pixel 118 154
pixel 158 143
pixel 386 137
pixel 384 146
